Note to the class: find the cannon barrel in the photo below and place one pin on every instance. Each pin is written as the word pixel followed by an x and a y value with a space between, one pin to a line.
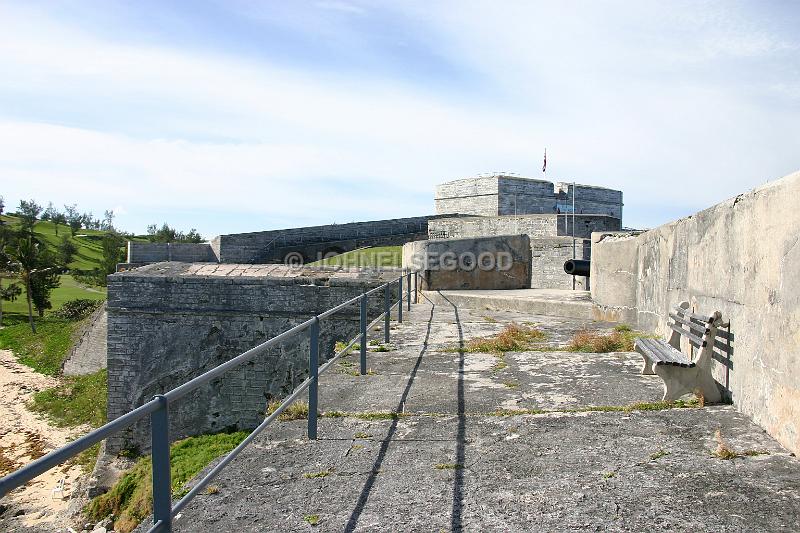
pixel 577 267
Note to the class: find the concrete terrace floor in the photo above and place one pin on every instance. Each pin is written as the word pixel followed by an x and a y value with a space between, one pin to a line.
pixel 450 464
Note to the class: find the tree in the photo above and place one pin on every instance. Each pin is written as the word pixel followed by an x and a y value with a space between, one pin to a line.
pixel 74 219
pixel 193 236
pixel 7 270
pixel 58 218
pixel 50 212
pixel 42 284
pixel 66 251
pixel 8 294
pixel 113 252
pixel 167 234
pixel 37 270
pixel 108 220
pixel 28 212
pixel 24 254
pixel 2 205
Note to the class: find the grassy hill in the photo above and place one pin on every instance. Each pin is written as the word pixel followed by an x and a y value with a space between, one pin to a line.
pixel 88 241
pixel 88 244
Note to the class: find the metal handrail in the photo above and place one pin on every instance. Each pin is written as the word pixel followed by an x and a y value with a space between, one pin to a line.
pixel 158 407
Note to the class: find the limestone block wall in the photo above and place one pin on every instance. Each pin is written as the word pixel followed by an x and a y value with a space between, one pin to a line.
pixel 548 256
pixel 487 263
pixel 473 196
pixel 535 226
pixel 154 252
pixel 272 246
pixel 500 195
pixel 475 226
pixel 740 257
pixel 170 322
pixel 88 354
pixel 590 199
pixel 524 196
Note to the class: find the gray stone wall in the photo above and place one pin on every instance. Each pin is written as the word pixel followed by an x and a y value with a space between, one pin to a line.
pixel 88 354
pixel 535 226
pixel 548 256
pixel 488 263
pixel 154 252
pixel 272 246
pixel 739 257
pixel 511 195
pixel 167 323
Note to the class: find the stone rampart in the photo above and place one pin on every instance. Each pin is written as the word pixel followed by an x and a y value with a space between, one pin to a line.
pixel 272 246
pixel 170 322
pixel 739 257
pixel 155 252
pixel 501 262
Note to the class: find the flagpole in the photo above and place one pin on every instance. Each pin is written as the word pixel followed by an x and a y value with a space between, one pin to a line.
pixel 574 191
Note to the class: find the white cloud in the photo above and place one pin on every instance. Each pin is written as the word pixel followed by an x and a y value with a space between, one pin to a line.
pixel 616 98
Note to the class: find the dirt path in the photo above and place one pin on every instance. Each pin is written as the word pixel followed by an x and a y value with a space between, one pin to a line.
pixel 25 436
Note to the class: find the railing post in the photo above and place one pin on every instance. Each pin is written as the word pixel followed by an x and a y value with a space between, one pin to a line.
pixel 400 298
pixel 363 334
pixel 408 291
pixel 387 310
pixel 313 373
pixel 162 483
pixel 416 287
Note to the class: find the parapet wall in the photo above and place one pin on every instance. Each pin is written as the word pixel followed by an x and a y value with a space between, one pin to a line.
pixel 739 257
pixel 272 246
pixel 155 252
pixel 170 322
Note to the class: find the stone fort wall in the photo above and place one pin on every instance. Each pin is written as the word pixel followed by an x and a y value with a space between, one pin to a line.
pixel 739 257
pixel 510 195
pixel 550 240
pixel 170 322
pixel 273 246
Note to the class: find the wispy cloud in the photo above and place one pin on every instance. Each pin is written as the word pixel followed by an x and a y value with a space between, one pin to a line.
pixel 634 96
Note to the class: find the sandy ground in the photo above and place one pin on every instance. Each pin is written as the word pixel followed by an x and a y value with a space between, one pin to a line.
pixel 24 436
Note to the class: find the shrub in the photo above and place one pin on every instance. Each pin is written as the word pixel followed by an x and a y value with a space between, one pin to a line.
pixel 77 309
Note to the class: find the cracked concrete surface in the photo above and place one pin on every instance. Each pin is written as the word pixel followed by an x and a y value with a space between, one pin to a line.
pixel 448 464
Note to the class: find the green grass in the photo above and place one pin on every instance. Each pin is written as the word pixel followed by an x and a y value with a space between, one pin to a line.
pixel 69 289
pixel 379 256
pixel 90 250
pixel 130 500
pixel 298 410
pixel 513 338
pixel 44 350
pixel 619 340
pixel 76 400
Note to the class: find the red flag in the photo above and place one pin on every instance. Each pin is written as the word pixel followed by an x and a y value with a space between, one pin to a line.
pixel 544 166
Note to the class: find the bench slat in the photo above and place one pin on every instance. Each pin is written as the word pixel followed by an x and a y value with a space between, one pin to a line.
pixel 662 353
pixel 694 340
pixel 701 328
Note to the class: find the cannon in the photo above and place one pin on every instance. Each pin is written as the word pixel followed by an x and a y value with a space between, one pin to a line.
pixel 577 267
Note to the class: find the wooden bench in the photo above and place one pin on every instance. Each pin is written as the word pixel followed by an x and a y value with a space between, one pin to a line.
pixel 681 374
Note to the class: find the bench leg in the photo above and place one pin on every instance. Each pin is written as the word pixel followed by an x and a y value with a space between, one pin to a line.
pixel 679 381
pixel 647 369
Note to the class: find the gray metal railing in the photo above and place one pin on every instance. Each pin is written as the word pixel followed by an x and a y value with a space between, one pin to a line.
pixel 158 407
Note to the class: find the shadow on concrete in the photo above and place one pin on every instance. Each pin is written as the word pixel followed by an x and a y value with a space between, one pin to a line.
pixel 461 435
pixel 352 521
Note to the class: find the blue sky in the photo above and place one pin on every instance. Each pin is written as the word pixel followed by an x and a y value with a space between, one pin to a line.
pixel 242 115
